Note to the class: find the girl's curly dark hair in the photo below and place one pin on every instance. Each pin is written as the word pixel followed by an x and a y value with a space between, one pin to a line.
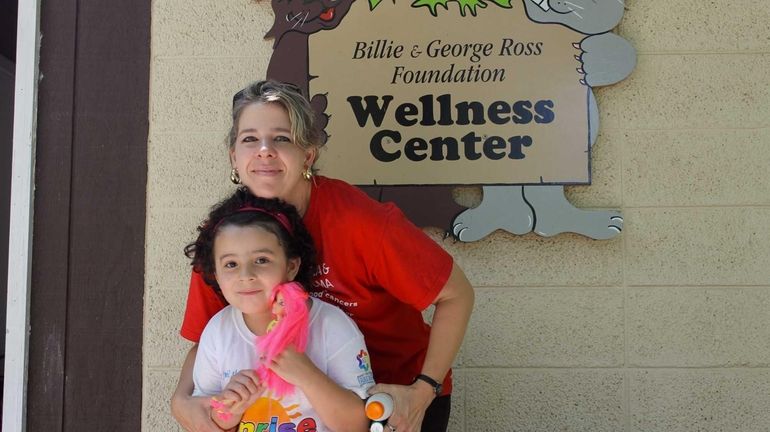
pixel 298 244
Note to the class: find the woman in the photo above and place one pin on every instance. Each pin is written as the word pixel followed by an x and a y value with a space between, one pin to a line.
pixel 372 263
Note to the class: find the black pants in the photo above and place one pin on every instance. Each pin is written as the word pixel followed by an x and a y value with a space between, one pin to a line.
pixel 437 415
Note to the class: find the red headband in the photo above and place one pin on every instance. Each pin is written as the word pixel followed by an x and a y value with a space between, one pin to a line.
pixel 278 216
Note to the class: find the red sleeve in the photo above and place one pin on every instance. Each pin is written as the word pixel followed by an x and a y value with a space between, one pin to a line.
pixel 202 304
pixel 411 266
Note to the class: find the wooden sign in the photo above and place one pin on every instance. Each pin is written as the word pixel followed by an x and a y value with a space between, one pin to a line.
pixel 451 99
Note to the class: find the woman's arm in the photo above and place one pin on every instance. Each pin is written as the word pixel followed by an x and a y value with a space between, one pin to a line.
pixel 454 304
pixel 339 408
pixel 192 413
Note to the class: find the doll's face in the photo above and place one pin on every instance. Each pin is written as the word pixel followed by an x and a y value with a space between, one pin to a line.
pixel 279 307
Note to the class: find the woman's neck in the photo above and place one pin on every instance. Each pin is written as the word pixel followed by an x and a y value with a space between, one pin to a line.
pixel 301 197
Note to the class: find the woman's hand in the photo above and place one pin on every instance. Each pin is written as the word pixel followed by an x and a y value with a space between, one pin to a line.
pixel 409 404
pixel 294 367
pixel 193 414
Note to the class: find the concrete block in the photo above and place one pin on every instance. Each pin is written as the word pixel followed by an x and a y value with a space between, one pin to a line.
pixel 696 167
pixel 545 400
pixel 195 94
pixel 457 413
pixel 569 327
pixel 188 170
pixel 691 25
pixel 168 232
pixel 506 260
pixel 696 327
pixel 700 400
pixel 689 91
pixel 697 246
pixel 158 387
pixel 468 196
pixel 163 346
pixel 233 28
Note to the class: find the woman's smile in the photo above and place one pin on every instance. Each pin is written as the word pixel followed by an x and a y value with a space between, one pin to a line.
pixel 267 171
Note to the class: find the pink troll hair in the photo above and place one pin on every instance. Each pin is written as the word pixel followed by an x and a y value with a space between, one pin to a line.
pixel 291 329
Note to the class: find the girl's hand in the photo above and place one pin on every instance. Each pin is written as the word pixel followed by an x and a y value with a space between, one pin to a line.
pixel 409 404
pixel 293 367
pixel 240 393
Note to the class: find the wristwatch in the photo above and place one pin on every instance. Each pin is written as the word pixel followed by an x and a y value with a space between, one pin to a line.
pixel 433 383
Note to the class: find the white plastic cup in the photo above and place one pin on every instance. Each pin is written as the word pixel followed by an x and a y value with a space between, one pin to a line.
pixel 379 407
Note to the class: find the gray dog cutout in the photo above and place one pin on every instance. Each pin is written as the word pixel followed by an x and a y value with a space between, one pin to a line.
pixel 606 59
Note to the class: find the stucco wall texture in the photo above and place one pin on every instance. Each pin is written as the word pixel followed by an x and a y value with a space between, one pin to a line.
pixel 665 328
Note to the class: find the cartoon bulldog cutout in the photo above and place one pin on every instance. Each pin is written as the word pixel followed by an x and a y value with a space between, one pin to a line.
pixel 418 98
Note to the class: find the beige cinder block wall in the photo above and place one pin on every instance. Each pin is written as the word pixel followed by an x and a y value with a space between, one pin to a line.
pixel 665 328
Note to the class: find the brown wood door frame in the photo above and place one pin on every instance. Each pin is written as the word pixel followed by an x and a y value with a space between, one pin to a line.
pixel 86 311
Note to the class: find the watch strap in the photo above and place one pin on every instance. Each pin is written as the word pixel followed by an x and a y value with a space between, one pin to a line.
pixel 433 383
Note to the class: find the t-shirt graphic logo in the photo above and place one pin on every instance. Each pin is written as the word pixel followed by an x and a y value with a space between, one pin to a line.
pixel 363 361
pixel 268 414
pixel 367 377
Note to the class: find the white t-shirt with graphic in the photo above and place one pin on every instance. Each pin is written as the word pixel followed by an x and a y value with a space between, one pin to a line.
pixel 335 346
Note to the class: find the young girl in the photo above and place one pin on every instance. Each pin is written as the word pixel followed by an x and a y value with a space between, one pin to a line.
pixel 246 248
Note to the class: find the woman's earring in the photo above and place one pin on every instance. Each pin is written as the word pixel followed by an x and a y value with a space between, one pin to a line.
pixel 234 177
pixel 307 174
